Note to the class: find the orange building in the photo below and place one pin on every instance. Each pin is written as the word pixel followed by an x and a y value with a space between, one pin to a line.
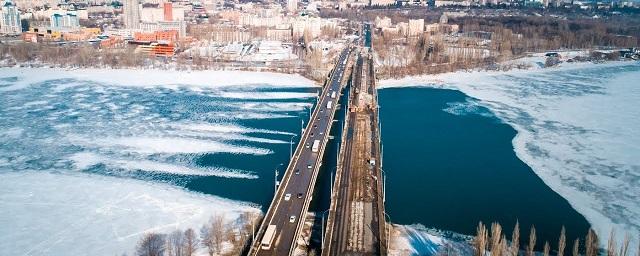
pixel 157 49
pixel 168 11
pixel 144 37
pixel 30 37
pixel 163 50
pixel 169 36
pixel 110 42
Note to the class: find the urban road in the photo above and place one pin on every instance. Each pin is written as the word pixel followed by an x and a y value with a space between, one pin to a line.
pixel 295 191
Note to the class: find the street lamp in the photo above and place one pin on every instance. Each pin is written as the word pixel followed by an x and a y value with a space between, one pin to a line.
pixel 322 229
pixel 276 178
pixel 291 147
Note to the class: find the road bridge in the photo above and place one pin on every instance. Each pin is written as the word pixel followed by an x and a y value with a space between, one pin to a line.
pixel 285 217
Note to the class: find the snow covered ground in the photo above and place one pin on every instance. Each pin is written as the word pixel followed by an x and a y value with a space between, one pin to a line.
pixel 92 159
pixel 578 128
pixel 418 240
pixel 63 213
pixel 140 77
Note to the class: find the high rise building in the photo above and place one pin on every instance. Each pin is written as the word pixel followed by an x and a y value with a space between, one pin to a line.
pixel 68 20
pixel 292 6
pixel 168 11
pixel 131 13
pixel 10 22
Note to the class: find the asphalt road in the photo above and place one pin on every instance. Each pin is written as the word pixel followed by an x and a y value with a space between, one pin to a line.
pixel 302 172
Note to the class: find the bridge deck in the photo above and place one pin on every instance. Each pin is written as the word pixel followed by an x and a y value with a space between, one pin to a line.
pixel 356 224
pixel 301 174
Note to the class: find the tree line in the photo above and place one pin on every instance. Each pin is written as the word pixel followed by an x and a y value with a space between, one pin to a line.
pixel 216 237
pixel 492 241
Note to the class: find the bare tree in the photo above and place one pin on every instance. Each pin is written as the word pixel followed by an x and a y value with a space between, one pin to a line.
pixel 496 239
pixel 151 244
pixel 515 240
pixel 545 250
pixel 624 248
pixel 591 243
pixel 213 234
pixel 576 247
pixel 611 244
pixel 175 243
pixel 480 242
pixel 532 241
pixel 190 242
pixel 562 242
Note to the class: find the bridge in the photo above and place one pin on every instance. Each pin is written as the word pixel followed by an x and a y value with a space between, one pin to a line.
pixel 356 224
pixel 289 207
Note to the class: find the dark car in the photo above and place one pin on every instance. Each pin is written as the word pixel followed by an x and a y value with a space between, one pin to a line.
pixel 297 171
pixel 300 195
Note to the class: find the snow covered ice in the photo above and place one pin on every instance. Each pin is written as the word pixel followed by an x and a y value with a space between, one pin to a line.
pixel 578 128
pixel 81 151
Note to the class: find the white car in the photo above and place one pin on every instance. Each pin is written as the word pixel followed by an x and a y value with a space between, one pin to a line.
pixel 287 197
pixel 292 219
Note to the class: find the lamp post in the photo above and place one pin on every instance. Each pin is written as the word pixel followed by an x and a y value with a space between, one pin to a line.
pixel 291 147
pixel 276 179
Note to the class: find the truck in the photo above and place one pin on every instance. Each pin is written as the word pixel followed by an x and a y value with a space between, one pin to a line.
pixel 268 237
pixel 316 146
pixel 329 104
pixel 333 95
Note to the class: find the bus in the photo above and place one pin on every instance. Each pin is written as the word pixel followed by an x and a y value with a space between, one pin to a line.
pixel 333 95
pixel 329 104
pixel 268 237
pixel 316 146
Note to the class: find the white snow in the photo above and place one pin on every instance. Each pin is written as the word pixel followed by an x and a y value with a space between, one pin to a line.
pixel 577 129
pixel 85 160
pixel 266 95
pixel 55 125
pixel 43 213
pixel 413 240
pixel 170 145
pixel 145 78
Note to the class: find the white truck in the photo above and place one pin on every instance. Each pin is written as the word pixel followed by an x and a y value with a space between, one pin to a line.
pixel 329 104
pixel 333 95
pixel 316 146
pixel 268 237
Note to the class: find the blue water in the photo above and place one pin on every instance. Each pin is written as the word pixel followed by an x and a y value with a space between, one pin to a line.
pixel 450 164
pixel 53 123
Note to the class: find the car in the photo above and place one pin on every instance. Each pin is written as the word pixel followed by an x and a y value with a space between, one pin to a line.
pixel 287 197
pixel 308 146
pixel 315 126
pixel 309 166
pixel 299 195
pixel 321 133
pixel 311 134
pixel 292 219
pixel 297 171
